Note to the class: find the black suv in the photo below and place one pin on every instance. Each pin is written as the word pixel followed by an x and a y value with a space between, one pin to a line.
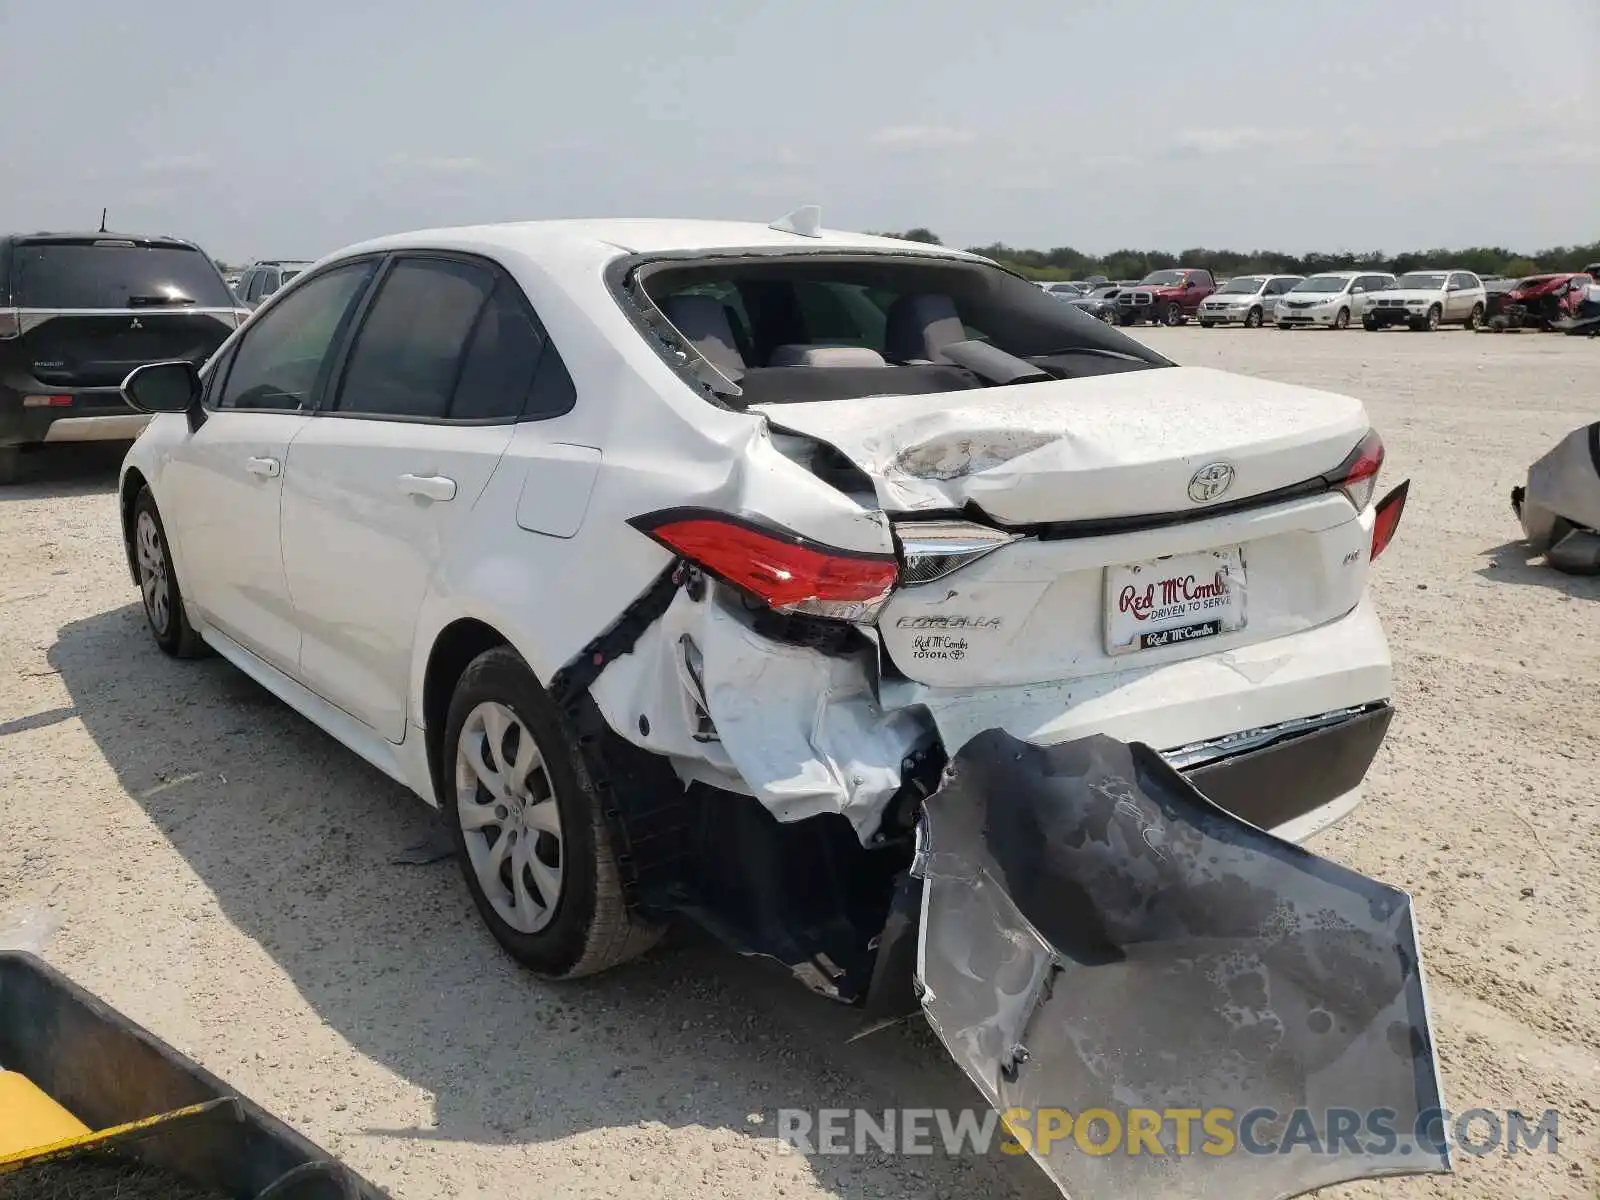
pixel 78 311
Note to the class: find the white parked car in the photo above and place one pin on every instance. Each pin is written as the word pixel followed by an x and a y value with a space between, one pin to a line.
pixel 1249 300
pixel 673 560
pixel 1331 300
pixel 1425 300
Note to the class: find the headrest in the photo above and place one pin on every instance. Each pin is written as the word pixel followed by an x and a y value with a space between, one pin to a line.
pixel 703 322
pixel 825 356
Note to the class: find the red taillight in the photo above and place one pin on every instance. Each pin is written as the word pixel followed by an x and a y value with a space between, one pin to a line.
pixel 10 323
pixel 56 401
pixel 786 571
pixel 1357 476
pixel 1386 519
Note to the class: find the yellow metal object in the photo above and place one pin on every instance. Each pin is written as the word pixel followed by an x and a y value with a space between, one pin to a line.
pixel 29 1119
pixel 88 1139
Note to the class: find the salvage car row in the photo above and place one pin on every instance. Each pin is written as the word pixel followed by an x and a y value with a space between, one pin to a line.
pixel 1421 300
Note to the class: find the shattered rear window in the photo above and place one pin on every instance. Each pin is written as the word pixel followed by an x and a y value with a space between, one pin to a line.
pixel 864 321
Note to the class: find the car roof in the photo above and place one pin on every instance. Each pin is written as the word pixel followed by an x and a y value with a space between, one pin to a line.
pixel 614 237
pixel 100 235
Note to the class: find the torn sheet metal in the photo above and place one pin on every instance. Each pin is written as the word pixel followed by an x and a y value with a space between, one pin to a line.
pixel 1097 935
pixel 802 731
pixel 1563 494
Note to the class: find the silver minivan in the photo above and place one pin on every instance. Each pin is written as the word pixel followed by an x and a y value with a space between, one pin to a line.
pixel 1249 300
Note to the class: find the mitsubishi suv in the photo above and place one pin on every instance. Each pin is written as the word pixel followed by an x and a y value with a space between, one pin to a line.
pixel 78 312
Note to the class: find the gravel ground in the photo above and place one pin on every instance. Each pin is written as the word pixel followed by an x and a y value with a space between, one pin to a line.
pixel 218 869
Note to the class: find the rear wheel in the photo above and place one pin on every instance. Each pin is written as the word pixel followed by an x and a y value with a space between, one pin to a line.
pixel 1342 319
pixel 528 827
pixel 1475 317
pixel 1252 319
pixel 158 583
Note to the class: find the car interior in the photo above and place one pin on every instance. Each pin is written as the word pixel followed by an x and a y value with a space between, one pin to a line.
pixel 799 329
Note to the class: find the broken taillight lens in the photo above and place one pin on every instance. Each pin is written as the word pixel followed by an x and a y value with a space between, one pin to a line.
pixel 1357 476
pixel 785 570
pixel 1387 519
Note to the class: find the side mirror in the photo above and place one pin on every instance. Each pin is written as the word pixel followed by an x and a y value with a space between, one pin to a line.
pixel 163 387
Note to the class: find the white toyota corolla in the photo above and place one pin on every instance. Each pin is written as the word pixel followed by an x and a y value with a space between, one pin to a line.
pixel 674 561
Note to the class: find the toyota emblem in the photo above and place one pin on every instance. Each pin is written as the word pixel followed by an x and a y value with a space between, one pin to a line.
pixel 1210 481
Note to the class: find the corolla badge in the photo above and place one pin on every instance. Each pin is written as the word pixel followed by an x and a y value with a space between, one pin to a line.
pixel 1210 481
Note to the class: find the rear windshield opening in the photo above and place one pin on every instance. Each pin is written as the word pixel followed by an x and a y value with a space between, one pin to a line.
pixel 819 327
pixel 115 274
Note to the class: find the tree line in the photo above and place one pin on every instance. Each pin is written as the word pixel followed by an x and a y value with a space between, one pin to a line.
pixel 1064 262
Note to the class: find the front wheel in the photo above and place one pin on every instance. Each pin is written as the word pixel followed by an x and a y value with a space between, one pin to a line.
pixel 10 463
pixel 158 583
pixel 1252 319
pixel 1475 317
pixel 1342 319
pixel 1370 324
pixel 1208 324
pixel 1431 321
pixel 1171 315
pixel 528 827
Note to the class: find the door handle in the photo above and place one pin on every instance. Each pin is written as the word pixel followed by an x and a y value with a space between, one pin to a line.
pixel 267 468
pixel 430 487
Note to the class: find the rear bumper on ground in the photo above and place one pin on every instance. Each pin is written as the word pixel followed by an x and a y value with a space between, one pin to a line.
pixel 96 415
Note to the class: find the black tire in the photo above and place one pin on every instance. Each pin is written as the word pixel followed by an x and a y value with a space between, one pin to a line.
pixel 1208 324
pixel 1370 324
pixel 1282 326
pixel 10 464
pixel 591 927
pixel 1475 317
pixel 1170 314
pixel 1124 321
pixel 159 590
pixel 1341 319
pixel 1253 318
pixel 1431 321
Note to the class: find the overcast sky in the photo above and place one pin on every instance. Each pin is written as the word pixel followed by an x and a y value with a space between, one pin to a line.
pixel 286 128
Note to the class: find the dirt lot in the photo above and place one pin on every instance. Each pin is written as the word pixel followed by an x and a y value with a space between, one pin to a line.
pixel 220 870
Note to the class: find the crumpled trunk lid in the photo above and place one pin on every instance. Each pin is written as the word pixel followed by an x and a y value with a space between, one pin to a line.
pixel 1116 445
pixel 1101 944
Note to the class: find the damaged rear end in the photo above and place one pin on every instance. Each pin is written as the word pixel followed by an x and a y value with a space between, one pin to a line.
pixel 969 522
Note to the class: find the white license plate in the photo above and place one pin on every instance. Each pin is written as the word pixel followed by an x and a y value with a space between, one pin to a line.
pixel 1169 601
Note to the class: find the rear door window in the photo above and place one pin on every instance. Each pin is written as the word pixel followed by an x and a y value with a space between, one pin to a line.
pixel 411 346
pixel 114 273
pixel 502 358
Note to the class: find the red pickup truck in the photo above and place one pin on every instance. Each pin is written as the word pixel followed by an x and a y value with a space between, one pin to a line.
pixel 1169 297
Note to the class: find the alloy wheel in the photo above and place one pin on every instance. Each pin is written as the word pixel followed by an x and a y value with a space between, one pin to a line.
pixel 154 581
pixel 510 822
